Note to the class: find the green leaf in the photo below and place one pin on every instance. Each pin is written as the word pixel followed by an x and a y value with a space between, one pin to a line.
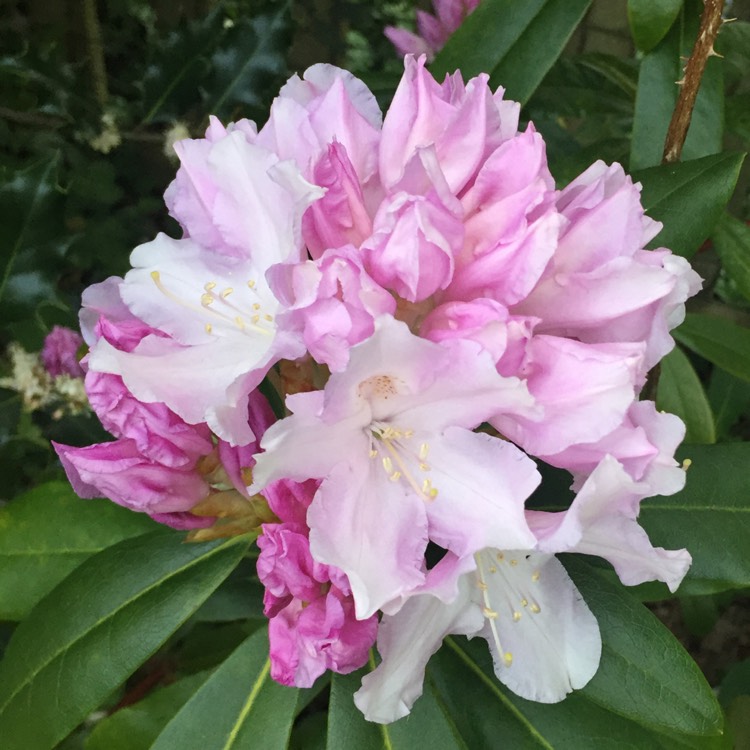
pixel 48 532
pixel 732 243
pixel 516 43
pixel 92 631
pixel 484 710
pixel 657 94
pixel 249 62
pixel 485 37
pixel 650 20
pixel 31 217
pixel 730 398
pixel 136 727
pixel 236 706
pixel 681 392
pixel 688 197
pixel 718 340
pixel 710 517
pixel 428 724
pixel 645 674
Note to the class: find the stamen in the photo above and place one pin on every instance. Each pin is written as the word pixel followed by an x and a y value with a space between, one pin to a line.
pixel 226 292
pixel 490 614
pixel 424 449
pixel 256 306
pixel 209 285
pixel 388 465
pixel 395 476
pixel 535 608
pixel 206 299
pixel 516 616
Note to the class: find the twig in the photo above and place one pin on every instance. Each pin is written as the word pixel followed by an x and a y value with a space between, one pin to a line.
pixel 690 83
pixel 95 51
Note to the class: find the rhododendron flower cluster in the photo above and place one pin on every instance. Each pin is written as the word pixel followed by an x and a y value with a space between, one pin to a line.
pixel 439 319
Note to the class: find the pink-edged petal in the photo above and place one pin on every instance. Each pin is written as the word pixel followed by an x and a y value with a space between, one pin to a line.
pixel 543 638
pixel 373 529
pixel 484 482
pixel 584 389
pixel 602 521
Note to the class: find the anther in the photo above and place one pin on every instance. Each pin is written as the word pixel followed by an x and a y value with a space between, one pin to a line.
pixel 209 285
pixel 500 556
pixel 424 449
pixel 481 585
pixel 256 306
pixel 208 328
pixel 395 476
pixel 514 563
pixel 508 658
pixel 206 299
pixel 424 467
pixel 269 318
pixel 535 609
pixel 251 284
pixel 524 602
pixel 492 569
pixel 226 292
pixel 388 465
pixel 240 323
pixel 373 453
pixel 490 614
pixel 535 576
pixel 254 320
pixel 516 616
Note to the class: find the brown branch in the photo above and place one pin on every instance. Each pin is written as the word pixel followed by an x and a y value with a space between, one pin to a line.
pixel 689 85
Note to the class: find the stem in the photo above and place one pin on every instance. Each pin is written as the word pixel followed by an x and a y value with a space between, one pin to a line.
pixel 696 64
pixel 96 51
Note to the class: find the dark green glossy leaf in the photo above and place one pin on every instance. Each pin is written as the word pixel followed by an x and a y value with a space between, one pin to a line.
pixel 428 724
pixel 718 340
pixel 645 674
pixel 92 631
pixel 689 198
pixel 136 727
pixel 32 238
pixel 730 399
pixel 48 532
pixel 657 94
pixel 650 20
pixel 710 517
pixel 235 707
pixel 516 43
pixel 484 710
pixel 541 43
pixel 485 37
pixel 732 243
pixel 681 392
pixel 249 62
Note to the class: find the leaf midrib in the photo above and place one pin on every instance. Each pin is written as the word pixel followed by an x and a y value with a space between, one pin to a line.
pixel 104 620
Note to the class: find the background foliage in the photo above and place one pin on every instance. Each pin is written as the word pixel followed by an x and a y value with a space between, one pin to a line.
pixel 115 634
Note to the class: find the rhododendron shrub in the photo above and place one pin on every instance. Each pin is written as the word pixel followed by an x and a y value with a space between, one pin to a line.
pixel 453 321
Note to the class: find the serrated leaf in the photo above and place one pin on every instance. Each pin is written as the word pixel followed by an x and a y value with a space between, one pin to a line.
pixel 248 62
pixel 650 20
pixel 688 198
pixel 48 532
pixel 710 517
pixel 428 724
pixel 92 631
pixel 645 673
pixel 681 392
pixel 658 91
pixel 136 727
pixel 236 706
pixel 731 240
pixel 718 340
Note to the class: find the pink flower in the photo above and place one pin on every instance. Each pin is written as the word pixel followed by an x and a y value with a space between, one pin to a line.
pixel 60 352
pixel 391 439
pixel 312 623
pixel 433 30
